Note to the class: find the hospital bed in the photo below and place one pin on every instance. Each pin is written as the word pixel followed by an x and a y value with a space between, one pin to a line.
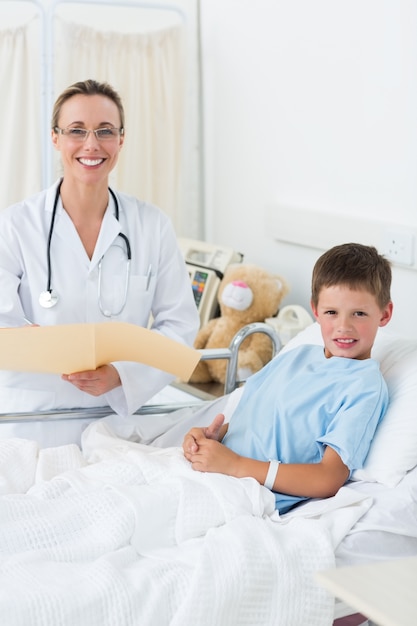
pixel 126 533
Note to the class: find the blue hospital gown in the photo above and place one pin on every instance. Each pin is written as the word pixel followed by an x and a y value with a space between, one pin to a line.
pixel 301 402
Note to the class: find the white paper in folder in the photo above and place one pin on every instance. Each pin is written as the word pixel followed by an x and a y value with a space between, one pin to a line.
pixel 68 348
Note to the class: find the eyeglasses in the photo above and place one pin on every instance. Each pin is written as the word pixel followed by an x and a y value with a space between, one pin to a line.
pixel 81 134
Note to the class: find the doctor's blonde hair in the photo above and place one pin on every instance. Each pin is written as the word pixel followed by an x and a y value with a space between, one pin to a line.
pixel 88 87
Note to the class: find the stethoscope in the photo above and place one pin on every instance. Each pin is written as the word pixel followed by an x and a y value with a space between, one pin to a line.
pixel 49 298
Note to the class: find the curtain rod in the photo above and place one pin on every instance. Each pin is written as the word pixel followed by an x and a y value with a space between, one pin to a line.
pixel 126 3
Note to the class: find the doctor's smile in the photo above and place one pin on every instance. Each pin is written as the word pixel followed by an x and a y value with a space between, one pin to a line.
pixel 90 162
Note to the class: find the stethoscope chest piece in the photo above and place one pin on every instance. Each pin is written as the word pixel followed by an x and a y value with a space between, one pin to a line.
pixel 48 299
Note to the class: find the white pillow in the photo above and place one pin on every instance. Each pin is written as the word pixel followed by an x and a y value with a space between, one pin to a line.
pixel 394 449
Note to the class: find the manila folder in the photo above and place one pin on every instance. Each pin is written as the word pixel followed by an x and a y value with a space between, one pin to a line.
pixel 68 348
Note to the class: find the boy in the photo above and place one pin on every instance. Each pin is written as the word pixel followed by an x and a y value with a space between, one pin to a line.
pixel 307 419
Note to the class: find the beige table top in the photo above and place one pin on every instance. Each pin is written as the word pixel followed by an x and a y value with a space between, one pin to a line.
pixel 385 592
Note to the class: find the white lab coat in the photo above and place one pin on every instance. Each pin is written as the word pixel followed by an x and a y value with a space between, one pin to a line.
pixel 166 296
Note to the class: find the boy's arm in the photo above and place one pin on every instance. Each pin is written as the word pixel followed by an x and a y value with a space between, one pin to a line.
pixel 310 480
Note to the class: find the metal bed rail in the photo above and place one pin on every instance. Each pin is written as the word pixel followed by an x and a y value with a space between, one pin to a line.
pixel 231 354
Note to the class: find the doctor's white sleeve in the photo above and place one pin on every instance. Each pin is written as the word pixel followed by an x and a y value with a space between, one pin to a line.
pixel 139 384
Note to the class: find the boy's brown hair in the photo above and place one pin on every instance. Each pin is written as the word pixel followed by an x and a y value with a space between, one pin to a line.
pixel 355 266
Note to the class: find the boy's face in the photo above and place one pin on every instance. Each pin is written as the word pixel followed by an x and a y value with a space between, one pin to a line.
pixel 349 320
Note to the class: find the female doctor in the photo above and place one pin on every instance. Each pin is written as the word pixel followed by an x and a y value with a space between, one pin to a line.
pixel 83 252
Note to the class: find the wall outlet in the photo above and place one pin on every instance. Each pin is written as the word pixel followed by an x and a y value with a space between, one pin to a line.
pixel 398 246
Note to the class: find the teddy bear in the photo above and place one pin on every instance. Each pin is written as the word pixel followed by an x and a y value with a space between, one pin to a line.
pixel 247 293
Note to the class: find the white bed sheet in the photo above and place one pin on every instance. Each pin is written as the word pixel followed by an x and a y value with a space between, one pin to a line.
pixel 389 529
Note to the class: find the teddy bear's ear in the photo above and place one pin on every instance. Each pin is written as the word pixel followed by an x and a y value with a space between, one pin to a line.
pixel 282 285
pixel 231 269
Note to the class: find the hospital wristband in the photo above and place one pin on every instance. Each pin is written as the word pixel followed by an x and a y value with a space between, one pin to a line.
pixel 272 474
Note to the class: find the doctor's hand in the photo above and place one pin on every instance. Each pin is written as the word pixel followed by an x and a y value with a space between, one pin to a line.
pixel 95 382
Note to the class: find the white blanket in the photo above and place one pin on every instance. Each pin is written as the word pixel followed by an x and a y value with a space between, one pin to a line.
pixel 124 534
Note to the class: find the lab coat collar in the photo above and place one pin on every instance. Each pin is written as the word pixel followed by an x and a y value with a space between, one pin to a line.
pixel 110 229
pixel 65 229
pixel 50 196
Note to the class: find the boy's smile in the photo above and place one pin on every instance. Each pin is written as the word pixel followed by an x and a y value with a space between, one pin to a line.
pixel 349 320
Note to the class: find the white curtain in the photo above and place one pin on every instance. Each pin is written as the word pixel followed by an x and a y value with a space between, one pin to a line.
pixel 20 119
pixel 148 71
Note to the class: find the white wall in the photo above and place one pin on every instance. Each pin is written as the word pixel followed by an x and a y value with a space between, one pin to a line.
pixel 311 105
